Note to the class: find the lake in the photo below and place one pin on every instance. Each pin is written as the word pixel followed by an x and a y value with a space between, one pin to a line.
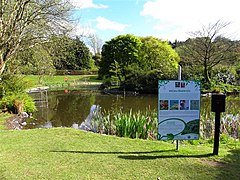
pixel 65 108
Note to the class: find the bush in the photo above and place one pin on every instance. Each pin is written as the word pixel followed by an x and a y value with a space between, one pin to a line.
pixel 145 82
pixel 224 88
pixel 18 102
pixel 14 98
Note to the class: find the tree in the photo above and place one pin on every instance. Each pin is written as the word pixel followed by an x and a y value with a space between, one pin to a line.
pixel 207 49
pixel 95 44
pixel 157 60
pixel 137 62
pixel 69 53
pixel 25 23
pixel 35 60
pixel 159 55
pixel 83 56
pixel 118 54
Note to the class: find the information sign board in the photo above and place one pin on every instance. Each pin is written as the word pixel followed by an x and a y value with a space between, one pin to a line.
pixel 178 109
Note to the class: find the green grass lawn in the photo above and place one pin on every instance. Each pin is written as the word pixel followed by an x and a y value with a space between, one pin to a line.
pixel 65 153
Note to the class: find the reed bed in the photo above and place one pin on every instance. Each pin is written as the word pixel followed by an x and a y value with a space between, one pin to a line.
pixel 133 125
pixel 144 124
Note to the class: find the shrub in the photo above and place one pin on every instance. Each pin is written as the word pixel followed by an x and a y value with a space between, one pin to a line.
pixel 13 94
pixel 17 102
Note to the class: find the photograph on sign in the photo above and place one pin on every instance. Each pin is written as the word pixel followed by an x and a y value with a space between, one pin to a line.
pixel 163 104
pixel 178 110
pixel 174 104
pixel 184 104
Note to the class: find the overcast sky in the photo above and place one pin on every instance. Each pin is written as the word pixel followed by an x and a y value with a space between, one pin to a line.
pixel 165 19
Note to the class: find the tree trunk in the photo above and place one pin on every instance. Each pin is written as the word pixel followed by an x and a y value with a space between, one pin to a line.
pixel 206 75
pixel 2 67
pixel 2 64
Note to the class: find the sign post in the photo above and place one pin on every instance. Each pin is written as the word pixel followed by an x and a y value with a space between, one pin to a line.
pixel 179 78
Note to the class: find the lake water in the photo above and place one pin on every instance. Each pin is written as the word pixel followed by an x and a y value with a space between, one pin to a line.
pixel 65 108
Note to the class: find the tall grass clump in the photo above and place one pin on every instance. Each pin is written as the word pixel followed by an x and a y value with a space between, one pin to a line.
pixel 127 124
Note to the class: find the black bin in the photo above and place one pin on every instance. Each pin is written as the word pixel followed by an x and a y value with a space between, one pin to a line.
pixel 218 102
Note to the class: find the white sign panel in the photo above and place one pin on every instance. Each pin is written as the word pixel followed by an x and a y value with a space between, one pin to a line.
pixel 178 110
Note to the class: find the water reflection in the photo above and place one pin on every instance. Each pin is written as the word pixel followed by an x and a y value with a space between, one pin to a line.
pixel 71 109
pixel 87 124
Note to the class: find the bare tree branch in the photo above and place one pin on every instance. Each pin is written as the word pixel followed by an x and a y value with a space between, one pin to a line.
pixel 207 48
pixel 26 22
pixel 95 43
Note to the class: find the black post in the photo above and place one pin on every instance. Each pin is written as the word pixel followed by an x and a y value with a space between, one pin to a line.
pixel 218 106
pixel 216 133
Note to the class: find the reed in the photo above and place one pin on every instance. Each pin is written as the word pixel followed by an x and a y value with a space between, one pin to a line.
pixel 104 122
pixel 133 125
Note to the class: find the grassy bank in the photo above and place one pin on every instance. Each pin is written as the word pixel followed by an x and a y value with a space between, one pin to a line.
pixel 73 154
pixel 62 80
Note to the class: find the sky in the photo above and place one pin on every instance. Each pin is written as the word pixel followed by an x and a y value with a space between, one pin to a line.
pixel 165 19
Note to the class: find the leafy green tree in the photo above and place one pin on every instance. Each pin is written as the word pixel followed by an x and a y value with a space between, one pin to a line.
pixel 157 60
pixel 207 49
pixel 71 54
pixel 61 52
pixel 158 55
pixel 83 57
pixel 25 23
pixel 118 54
